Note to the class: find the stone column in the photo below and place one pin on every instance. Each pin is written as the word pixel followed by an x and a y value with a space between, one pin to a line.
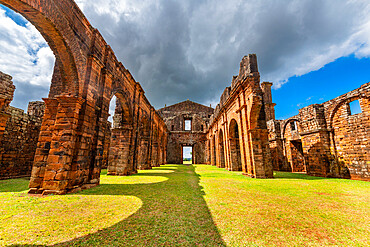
pixel 43 146
pixel 58 176
pixel 143 160
pixel 261 153
pixel 120 161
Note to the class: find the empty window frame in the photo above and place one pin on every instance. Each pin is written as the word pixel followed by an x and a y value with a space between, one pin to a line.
pixel 293 125
pixel 354 107
pixel 187 124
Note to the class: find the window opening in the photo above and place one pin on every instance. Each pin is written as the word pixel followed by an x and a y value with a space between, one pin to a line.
pixel 112 108
pixel 354 107
pixel 201 128
pixel 172 127
pixel 187 124
pixel 293 125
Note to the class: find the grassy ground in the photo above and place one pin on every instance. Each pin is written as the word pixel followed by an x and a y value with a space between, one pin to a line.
pixel 195 205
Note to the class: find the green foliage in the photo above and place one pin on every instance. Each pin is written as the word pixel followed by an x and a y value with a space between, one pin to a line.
pixel 196 205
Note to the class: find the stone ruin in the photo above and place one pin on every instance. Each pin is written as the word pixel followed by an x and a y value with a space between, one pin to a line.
pixel 237 138
pixel 327 140
pixel 241 134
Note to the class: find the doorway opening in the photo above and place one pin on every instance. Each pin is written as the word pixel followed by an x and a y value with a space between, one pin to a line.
pixel 187 155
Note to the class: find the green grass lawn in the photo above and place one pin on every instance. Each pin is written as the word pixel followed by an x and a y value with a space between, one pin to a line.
pixel 191 205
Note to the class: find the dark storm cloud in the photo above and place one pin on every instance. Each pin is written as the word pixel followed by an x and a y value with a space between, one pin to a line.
pixel 182 50
pixel 190 50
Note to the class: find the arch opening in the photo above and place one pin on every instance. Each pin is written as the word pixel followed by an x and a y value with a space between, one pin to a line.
pixel 221 149
pixel 293 147
pixel 26 68
pixel 65 79
pixel 235 155
pixel 121 154
pixel 187 154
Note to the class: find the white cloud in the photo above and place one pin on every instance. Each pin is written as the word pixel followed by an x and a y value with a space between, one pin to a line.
pixel 25 56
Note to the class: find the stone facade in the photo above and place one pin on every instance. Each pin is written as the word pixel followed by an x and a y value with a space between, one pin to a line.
pixel 70 151
pixel 326 139
pixel 175 116
pixel 237 137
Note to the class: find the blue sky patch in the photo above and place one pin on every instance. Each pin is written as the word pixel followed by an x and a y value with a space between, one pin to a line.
pixel 334 79
pixel 19 19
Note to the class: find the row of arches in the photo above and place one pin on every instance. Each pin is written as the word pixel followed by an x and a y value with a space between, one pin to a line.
pixel 225 148
pixel 86 75
pixel 133 146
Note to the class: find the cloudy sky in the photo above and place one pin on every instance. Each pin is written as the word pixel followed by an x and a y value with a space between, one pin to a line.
pixel 311 50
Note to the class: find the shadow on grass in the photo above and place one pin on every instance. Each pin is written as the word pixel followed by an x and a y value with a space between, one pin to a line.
pixel 14 185
pixel 173 213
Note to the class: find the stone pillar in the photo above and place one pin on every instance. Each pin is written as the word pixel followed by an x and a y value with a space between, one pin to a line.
pixel 261 153
pixel 120 160
pixel 52 172
pixel 315 140
pixel 43 146
pixel 143 159
pixel 107 136
pixel 155 154
pixel 267 99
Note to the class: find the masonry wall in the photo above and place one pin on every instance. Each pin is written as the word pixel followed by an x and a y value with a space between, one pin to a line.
pixel 237 138
pixel 20 139
pixel 334 140
pixel 174 117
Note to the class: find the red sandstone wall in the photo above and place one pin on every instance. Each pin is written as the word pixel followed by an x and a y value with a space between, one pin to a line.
pixel 70 152
pixel 349 137
pixel 334 141
pixel 20 139
pixel 241 118
pixel 174 117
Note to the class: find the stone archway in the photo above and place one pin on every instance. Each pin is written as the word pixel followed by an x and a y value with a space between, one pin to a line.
pixel 71 143
pixel 120 161
pixel 235 156
pixel 213 157
pixel 293 147
pixel 221 149
pixel 60 38
pixel 144 142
